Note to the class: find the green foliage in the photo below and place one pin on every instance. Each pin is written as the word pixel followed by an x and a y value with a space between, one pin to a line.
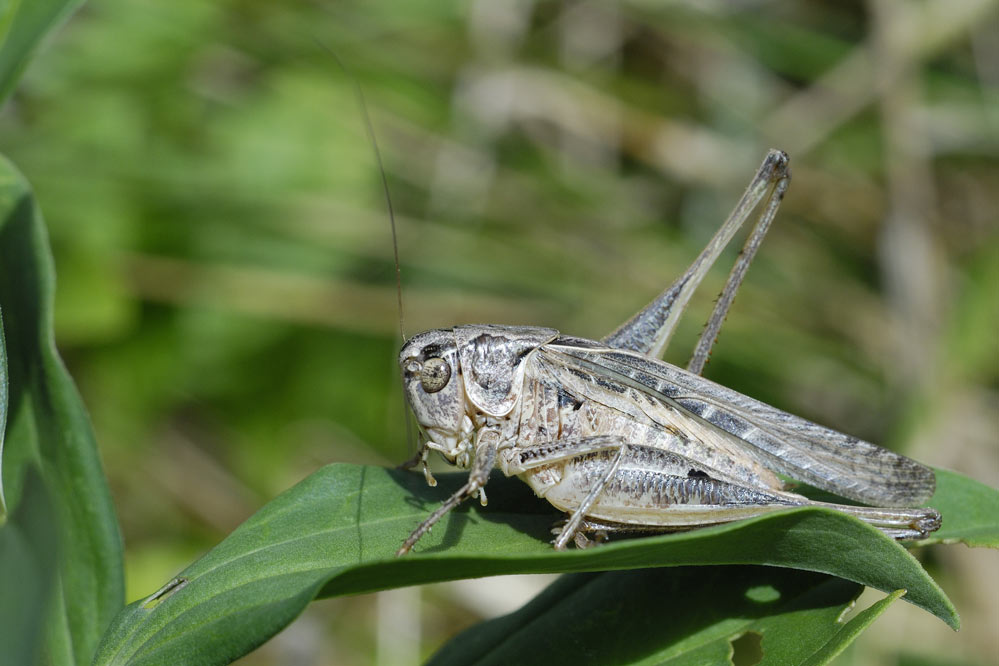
pixel 27 566
pixel 60 548
pixel 227 303
pixel 336 532
pixel 971 509
pixel 23 23
pixel 646 617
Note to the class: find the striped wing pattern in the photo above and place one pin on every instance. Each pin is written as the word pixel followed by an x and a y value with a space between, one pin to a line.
pixel 787 444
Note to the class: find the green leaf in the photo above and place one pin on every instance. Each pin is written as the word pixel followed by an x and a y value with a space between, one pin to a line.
pixel 23 23
pixel 682 615
pixel 969 508
pixel 336 533
pixel 48 435
pixel 27 565
pixel 848 633
pixel 970 511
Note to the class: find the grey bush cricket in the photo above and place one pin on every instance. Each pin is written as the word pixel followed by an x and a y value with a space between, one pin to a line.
pixel 624 442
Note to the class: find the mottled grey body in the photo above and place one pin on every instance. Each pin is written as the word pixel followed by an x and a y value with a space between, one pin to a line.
pixel 622 441
pixel 673 459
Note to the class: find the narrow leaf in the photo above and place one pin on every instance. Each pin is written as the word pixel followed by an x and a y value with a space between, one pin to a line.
pixel 848 633
pixel 23 23
pixel 27 568
pixel 48 434
pixel 336 533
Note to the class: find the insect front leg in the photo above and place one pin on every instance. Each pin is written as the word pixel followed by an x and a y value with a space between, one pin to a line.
pixel 420 458
pixel 485 457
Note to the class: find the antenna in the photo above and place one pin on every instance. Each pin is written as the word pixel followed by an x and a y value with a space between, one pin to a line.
pixel 359 94
pixel 363 105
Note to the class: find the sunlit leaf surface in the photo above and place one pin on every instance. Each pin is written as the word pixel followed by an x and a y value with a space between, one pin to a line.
pixel 336 533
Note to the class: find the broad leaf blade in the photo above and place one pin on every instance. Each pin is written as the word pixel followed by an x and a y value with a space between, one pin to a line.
pixel 681 615
pixel 336 533
pixel 23 24
pixel 48 434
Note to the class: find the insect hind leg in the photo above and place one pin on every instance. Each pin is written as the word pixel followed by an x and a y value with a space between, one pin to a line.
pixel 711 329
pixel 648 332
pixel 569 531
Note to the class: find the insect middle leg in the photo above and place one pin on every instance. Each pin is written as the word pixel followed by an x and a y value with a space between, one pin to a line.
pixel 524 460
pixel 603 476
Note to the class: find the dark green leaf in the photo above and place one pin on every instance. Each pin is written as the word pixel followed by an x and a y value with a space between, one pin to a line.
pixel 48 434
pixel 683 615
pixel 23 24
pixel 27 567
pixel 336 533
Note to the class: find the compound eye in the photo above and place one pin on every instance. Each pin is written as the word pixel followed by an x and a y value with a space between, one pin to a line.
pixel 436 374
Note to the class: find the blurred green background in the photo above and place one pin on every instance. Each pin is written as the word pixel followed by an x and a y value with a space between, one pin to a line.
pixel 226 296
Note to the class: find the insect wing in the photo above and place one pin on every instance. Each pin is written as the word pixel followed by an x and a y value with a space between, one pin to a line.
pixel 618 408
pixel 785 443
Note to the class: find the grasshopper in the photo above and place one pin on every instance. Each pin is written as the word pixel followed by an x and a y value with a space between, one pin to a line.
pixel 624 442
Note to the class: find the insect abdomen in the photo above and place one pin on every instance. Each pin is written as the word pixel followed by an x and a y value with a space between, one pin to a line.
pixel 643 493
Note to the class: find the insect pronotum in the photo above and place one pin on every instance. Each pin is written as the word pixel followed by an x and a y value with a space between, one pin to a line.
pixel 624 442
